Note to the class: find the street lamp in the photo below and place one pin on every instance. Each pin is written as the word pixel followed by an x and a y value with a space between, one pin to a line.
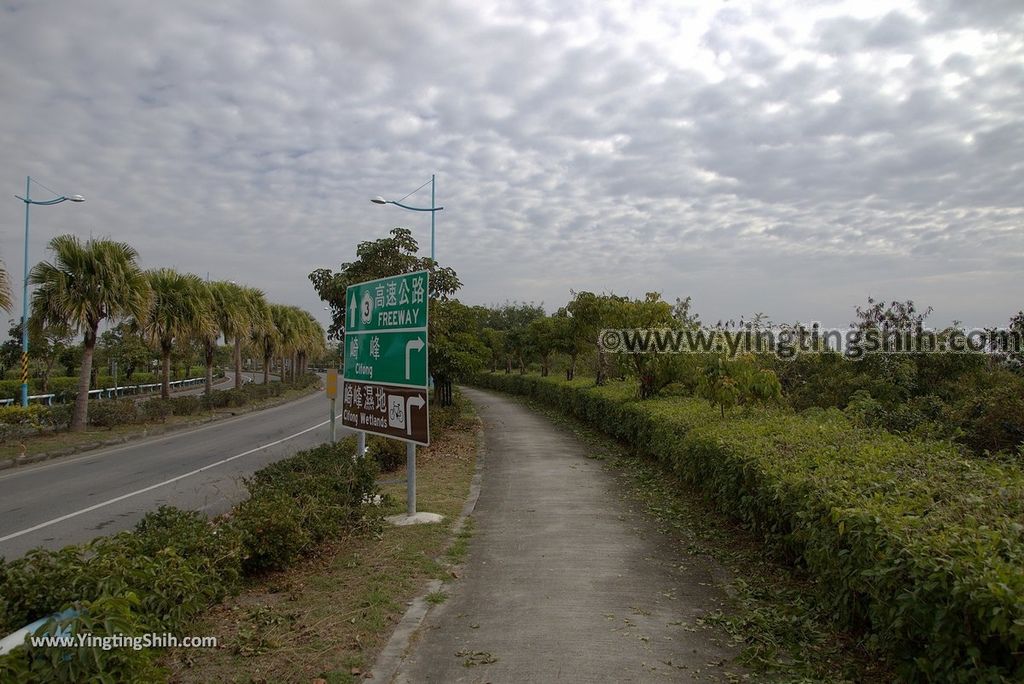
pixel 433 209
pixel 27 199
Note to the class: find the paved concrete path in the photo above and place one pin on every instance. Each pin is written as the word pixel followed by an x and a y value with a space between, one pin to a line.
pixel 565 581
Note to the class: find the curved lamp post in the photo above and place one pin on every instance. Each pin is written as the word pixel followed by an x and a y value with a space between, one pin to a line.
pixel 27 199
pixel 433 209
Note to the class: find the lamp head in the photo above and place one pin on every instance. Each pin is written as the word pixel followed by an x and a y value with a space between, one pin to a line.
pixel 76 198
pixel 379 200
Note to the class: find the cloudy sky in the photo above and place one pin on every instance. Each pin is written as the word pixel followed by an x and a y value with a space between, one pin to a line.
pixel 791 158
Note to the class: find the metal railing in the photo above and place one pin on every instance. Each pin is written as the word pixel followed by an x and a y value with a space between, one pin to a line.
pixel 111 392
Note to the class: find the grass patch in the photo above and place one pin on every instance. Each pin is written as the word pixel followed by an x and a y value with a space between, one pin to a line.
pixel 783 636
pixel 329 617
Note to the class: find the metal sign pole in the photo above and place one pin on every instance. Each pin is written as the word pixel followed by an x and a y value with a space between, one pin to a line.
pixel 410 478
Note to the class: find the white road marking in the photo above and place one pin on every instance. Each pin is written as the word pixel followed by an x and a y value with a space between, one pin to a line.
pixel 157 485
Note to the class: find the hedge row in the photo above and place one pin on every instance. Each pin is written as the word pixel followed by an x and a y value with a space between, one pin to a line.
pixel 913 542
pixel 175 564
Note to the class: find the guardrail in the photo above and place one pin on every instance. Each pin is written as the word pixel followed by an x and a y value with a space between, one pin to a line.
pixel 111 392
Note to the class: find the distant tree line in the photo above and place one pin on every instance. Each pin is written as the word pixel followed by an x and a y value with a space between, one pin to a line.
pixel 174 316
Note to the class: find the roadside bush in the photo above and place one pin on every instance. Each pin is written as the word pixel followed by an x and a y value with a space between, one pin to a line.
pixel 112 412
pixel 155 409
pixel 909 539
pixel 107 616
pixel 18 421
pixel 186 406
pixel 293 504
pixel 272 530
pixel 176 563
pixel 388 453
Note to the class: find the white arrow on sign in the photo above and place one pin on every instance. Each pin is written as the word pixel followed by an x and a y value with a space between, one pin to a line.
pixel 352 312
pixel 416 401
pixel 411 345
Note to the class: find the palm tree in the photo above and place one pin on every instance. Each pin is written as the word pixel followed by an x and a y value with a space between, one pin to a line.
pixel 231 314
pixel 312 341
pixel 5 289
pixel 267 339
pixel 257 321
pixel 182 310
pixel 287 333
pixel 86 283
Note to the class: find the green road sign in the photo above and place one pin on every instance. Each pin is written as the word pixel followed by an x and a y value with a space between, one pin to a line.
pixel 396 358
pixel 386 364
pixel 396 303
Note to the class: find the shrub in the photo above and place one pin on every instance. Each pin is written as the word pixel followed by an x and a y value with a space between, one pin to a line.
pixel 18 421
pixel 176 563
pixel 107 616
pixel 155 409
pixel 188 405
pixel 272 530
pixel 388 453
pixel 918 544
pixel 112 412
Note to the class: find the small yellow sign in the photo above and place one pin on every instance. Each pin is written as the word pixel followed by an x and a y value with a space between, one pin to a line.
pixel 332 383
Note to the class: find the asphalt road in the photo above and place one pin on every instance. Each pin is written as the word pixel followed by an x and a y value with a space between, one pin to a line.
pixel 76 498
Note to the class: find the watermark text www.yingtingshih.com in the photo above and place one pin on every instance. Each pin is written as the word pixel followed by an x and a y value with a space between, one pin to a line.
pixel 787 342
pixel 135 642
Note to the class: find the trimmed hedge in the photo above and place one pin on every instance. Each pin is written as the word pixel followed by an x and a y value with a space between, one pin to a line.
pixel 909 540
pixel 176 563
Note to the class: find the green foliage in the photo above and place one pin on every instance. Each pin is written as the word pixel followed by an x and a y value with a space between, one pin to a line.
pixel 106 617
pixel 297 503
pixel 388 453
pixel 381 258
pixel 113 412
pixel 909 540
pixel 187 405
pixel 175 564
pixel 156 410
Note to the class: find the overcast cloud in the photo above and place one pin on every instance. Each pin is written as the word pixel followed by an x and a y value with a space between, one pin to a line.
pixel 790 158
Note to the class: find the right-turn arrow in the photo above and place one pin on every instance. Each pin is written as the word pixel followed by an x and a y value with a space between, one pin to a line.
pixel 412 345
pixel 416 401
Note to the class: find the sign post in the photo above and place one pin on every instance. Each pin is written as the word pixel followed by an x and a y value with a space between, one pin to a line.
pixel 386 367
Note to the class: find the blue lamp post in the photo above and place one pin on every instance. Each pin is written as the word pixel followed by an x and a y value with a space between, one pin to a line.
pixel 433 209
pixel 27 199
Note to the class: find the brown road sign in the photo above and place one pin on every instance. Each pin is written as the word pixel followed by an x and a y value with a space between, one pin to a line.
pixel 388 410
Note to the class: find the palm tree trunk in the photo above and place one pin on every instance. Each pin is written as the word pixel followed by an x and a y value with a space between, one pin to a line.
pixel 165 379
pixel 266 370
pixel 209 368
pixel 81 411
pixel 295 368
pixel 238 361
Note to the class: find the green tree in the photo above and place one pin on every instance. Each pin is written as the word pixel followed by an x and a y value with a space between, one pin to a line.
pixel 231 315
pixel 456 349
pixel 258 324
pixel 182 311
pixel 83 285
pixel 379 259
pixel 126 347
pixel 47 342
pixel 542 340
pixel 651 312
pixel 590 314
